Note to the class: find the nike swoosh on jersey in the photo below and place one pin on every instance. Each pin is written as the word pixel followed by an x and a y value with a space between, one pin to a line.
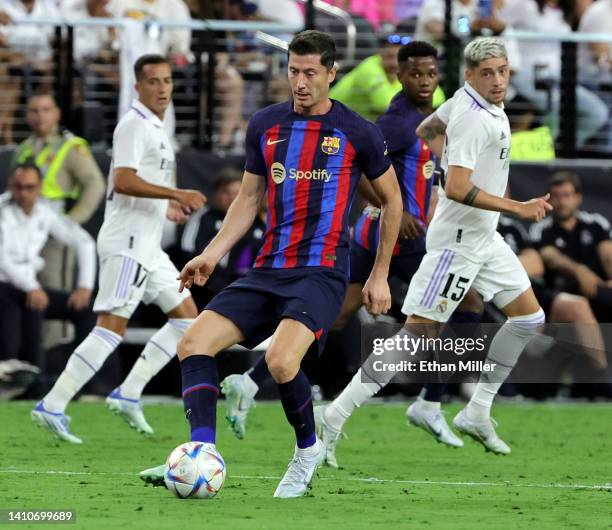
pixel 272 142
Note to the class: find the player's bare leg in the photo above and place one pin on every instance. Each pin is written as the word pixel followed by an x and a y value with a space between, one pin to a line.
pixel 525 318
pixel 157 353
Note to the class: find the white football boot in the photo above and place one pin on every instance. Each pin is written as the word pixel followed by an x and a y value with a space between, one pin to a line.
pixel 238 403
pixel 130 410
pixel 328 436
pixel 433 422
pixel 301 470
pixel 154 475
pixel 483 432
pixel 57 423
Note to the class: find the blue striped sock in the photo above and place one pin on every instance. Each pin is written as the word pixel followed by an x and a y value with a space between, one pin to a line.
pixel 296 397
pixel 200 392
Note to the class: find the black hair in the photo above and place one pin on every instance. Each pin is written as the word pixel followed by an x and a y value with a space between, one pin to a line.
pixel 565 177
pixel 416 48
pixel 312 42
pixel 144 60
pixel 28 165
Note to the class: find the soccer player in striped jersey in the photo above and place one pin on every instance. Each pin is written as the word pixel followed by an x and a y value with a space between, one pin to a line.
pixel 309 153
pixel 413 162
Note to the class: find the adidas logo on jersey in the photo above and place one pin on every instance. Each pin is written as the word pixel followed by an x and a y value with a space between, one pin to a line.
pixel 162 146
pixel 503 136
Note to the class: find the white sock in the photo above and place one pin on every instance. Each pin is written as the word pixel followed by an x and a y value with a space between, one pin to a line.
pixel 249 386
pixel 506 348
pixel 365 383
pixel 157 353
pixel 354 395
pixel 82 365
pixel 427 405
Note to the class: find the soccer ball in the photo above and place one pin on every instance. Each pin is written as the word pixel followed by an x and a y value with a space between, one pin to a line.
pixel 195 470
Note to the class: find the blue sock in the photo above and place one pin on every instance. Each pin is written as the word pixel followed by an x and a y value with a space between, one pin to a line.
pixel 461 324
pixel 259 372
pixel 296 397
pixel 200 392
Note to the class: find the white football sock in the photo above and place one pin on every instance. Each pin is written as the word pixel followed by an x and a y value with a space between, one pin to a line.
pixel 157 353
pixel 82 365
pixel 427 405
pixel 506 348
pixel 249 386
pixel 365 383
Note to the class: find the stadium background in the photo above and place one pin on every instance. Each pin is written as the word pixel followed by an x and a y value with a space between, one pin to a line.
pixel 242 54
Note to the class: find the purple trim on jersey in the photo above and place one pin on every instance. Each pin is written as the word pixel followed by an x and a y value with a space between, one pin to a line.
pixel 139 113
pixel 328 203
pixel 476 105
pixel 292 160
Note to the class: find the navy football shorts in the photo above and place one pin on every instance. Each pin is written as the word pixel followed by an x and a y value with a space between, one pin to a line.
pixel 258 301
pixel 362 262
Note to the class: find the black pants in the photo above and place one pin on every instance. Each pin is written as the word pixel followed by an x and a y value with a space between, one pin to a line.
pixel 21 328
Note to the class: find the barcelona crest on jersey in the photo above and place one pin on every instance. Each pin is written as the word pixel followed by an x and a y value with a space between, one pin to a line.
pixel 330 145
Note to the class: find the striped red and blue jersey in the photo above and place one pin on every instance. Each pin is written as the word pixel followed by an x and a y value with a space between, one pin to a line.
pixel 414 165
pixel 312 165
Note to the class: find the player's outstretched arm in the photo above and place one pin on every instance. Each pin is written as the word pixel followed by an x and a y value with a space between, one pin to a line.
pixel 127 182
pixel 376 294
pixel 238 220
pixel 460 188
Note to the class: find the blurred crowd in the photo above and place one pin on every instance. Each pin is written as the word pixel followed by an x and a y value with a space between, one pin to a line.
pixel 249 72
pixel 52 169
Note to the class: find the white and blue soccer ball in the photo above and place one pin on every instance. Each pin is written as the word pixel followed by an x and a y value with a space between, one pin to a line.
pixel 195 470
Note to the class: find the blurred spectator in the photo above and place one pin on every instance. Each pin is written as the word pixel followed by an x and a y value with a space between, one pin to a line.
pixel 174 43
pixel 467 20
pixel 26 222
pixel 203 226
pixel 25 53
pixel 576 246
pixel 561 307
pixel 374 11
pixel 72 180
pixel 92 43
pixel 541 61
pixel 595 58
pixel 369 88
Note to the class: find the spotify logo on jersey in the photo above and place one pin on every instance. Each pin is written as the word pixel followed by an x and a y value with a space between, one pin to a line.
pixel 278 172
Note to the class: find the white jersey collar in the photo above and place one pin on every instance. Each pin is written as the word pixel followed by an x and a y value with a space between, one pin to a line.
pixel 146 113
pixel 496 110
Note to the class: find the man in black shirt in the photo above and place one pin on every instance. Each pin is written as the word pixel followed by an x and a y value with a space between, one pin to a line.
pixel 562 307
pixel 575 246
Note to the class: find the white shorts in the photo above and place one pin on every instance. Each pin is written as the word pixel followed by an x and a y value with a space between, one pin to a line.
pixel 445 276
pixel 124 283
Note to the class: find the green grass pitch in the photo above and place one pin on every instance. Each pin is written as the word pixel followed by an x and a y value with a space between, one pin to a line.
pixel 393 476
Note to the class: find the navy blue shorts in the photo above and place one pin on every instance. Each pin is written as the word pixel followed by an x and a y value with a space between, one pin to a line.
pixel 258 301
pixel 362 262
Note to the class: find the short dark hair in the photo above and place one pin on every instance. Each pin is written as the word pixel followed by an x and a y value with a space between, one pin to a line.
pixel 416 48
pixel 565 177
pixel 42 93
pixel 316 43
pixel 144 60
pixel 28 165
pixel 227 176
